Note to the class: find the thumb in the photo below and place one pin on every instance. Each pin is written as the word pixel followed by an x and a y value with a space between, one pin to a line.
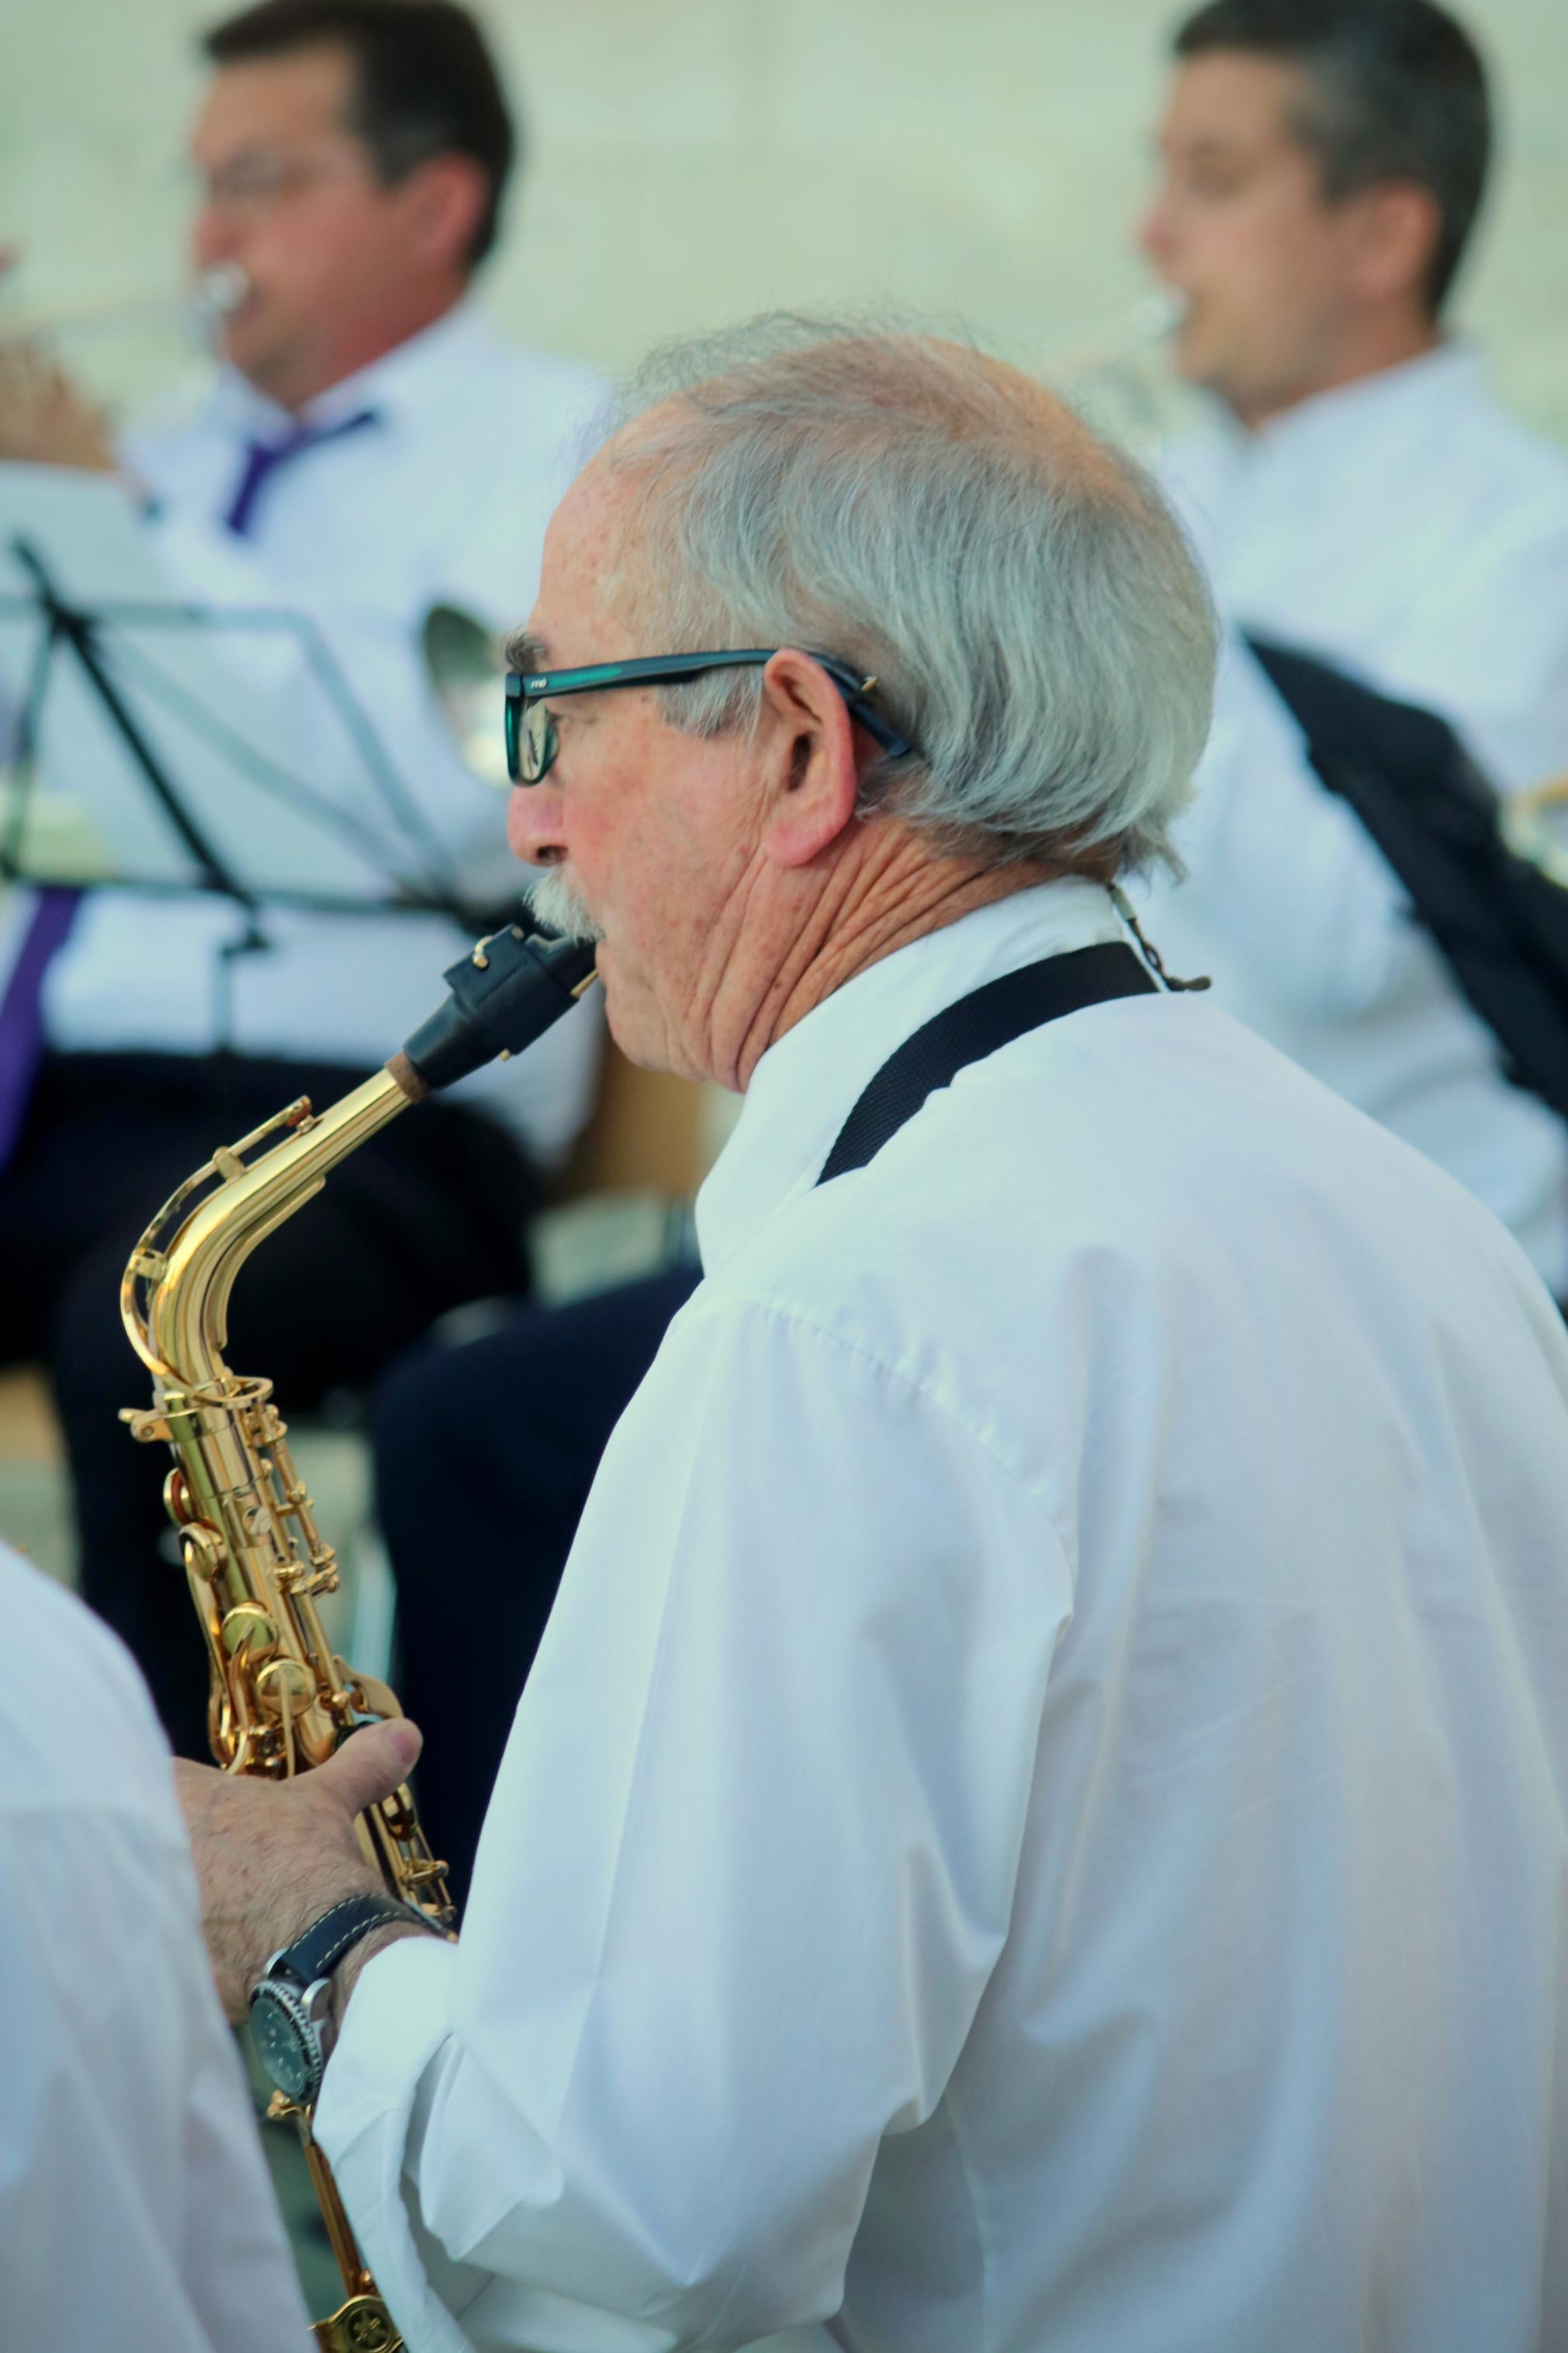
pixel 371 1764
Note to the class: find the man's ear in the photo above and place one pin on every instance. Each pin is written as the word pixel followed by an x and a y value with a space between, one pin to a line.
pixel 446 200
pixel 1396 235
pixel 814 765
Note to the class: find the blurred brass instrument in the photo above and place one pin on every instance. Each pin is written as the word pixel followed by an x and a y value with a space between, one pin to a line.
pixel 464 667
pixel 280 1699
pixel 213 295
pixel 1535 826
pixel 1143 325
pixel 1118 374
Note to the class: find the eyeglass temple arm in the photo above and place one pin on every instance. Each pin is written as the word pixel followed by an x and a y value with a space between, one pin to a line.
pixel 854 690
pixel 850 684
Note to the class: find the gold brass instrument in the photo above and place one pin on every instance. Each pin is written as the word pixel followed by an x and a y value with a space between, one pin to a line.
pixel 280 1699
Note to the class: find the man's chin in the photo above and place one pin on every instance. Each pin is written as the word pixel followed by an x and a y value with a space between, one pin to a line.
pixel 1191 356
pixel 243 342
pixel 554 900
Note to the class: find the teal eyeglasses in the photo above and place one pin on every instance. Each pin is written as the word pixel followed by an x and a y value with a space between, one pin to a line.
pixel 530 738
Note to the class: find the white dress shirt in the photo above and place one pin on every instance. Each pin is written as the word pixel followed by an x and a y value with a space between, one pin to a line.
pixel 135 2205
pixel 1407 531
pixel 444 497
pixel 1040 1817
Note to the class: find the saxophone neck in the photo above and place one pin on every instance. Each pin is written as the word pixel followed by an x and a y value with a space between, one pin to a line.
pixel 506 992
pixel 176 1291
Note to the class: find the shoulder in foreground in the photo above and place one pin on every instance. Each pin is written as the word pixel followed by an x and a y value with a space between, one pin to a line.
pixel 76 1720
pixel 1137 1162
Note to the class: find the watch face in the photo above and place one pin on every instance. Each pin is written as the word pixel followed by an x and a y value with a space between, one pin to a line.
pixel 286 2043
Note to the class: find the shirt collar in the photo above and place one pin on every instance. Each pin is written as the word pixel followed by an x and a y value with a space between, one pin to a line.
pixel 805 1087
pixel 408 381
pixel 1450 370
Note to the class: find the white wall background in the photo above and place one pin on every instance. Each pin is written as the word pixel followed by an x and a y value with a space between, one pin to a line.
pixel 697 160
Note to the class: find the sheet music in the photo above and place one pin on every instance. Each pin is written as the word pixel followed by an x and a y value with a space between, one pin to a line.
pixel 279 773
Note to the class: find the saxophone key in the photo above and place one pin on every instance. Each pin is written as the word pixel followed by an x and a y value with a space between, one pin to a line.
pixel 201 1551
pixel 247 1632
pixel 146 1425
pixel 286 1688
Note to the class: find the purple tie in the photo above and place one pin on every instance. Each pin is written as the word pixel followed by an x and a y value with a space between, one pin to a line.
pixel 262 459
pixel 22 1011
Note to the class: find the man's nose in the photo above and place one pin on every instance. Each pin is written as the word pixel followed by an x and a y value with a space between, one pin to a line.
pixel 1156 231
pixel 211 234
pixel 217 229
pixel 533 829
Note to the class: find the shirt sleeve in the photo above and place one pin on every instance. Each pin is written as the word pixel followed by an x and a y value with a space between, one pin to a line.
pixel 748 1867
pixel 1489 645
pixel 1281 867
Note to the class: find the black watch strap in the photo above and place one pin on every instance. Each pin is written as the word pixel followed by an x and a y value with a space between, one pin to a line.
pixel 324 1943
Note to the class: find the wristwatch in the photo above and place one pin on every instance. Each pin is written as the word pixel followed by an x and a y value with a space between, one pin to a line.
pixel 289 2002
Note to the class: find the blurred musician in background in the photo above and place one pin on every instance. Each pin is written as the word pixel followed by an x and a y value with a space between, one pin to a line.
pixel 1359 497
pixel 370 448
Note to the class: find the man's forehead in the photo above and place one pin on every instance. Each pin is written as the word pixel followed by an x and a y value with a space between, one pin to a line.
pixel 591 524
pixel 1232 98
pixel 258 100
pixel 589 566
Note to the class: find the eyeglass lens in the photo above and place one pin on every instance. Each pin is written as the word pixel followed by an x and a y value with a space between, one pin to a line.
pixel 530 740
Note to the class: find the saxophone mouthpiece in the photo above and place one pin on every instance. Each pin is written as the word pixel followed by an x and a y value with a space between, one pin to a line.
pixel 510 988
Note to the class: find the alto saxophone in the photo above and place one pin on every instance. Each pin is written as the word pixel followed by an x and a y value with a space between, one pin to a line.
pixel 280 1699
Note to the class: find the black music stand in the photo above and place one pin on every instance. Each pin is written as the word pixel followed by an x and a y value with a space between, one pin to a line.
pixel 356 866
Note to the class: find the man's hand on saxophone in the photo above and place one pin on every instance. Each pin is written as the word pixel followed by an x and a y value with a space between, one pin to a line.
pixel 274 1856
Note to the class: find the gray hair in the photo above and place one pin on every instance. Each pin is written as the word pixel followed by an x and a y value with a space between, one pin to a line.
pixel 1027 604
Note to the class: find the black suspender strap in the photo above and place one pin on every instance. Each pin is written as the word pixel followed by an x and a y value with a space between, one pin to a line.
pixel 979 1024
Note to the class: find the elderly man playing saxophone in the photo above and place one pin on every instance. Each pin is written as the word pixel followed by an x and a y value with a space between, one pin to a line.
pixel 1039 1818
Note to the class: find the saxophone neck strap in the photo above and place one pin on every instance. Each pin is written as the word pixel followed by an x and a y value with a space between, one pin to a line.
pixel 980 1024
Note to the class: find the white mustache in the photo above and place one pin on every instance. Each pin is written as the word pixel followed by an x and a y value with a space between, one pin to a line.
pixel 554 898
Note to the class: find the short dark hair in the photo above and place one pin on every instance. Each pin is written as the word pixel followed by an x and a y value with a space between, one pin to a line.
pixel 426 82
pixel 1398 92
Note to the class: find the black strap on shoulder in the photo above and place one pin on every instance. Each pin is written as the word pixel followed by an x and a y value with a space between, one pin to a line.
pixel 981 1023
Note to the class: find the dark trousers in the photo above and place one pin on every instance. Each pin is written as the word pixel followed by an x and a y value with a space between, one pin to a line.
pixel 428 1214
pixel 484 1456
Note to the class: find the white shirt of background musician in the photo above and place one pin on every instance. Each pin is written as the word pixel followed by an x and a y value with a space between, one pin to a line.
pixel 1038 1818
pixel 1406 530
pixel 135 2205
pixel 443 499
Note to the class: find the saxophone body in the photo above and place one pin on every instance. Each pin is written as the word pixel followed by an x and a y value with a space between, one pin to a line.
pixel 257 1564
pixel 280 1699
